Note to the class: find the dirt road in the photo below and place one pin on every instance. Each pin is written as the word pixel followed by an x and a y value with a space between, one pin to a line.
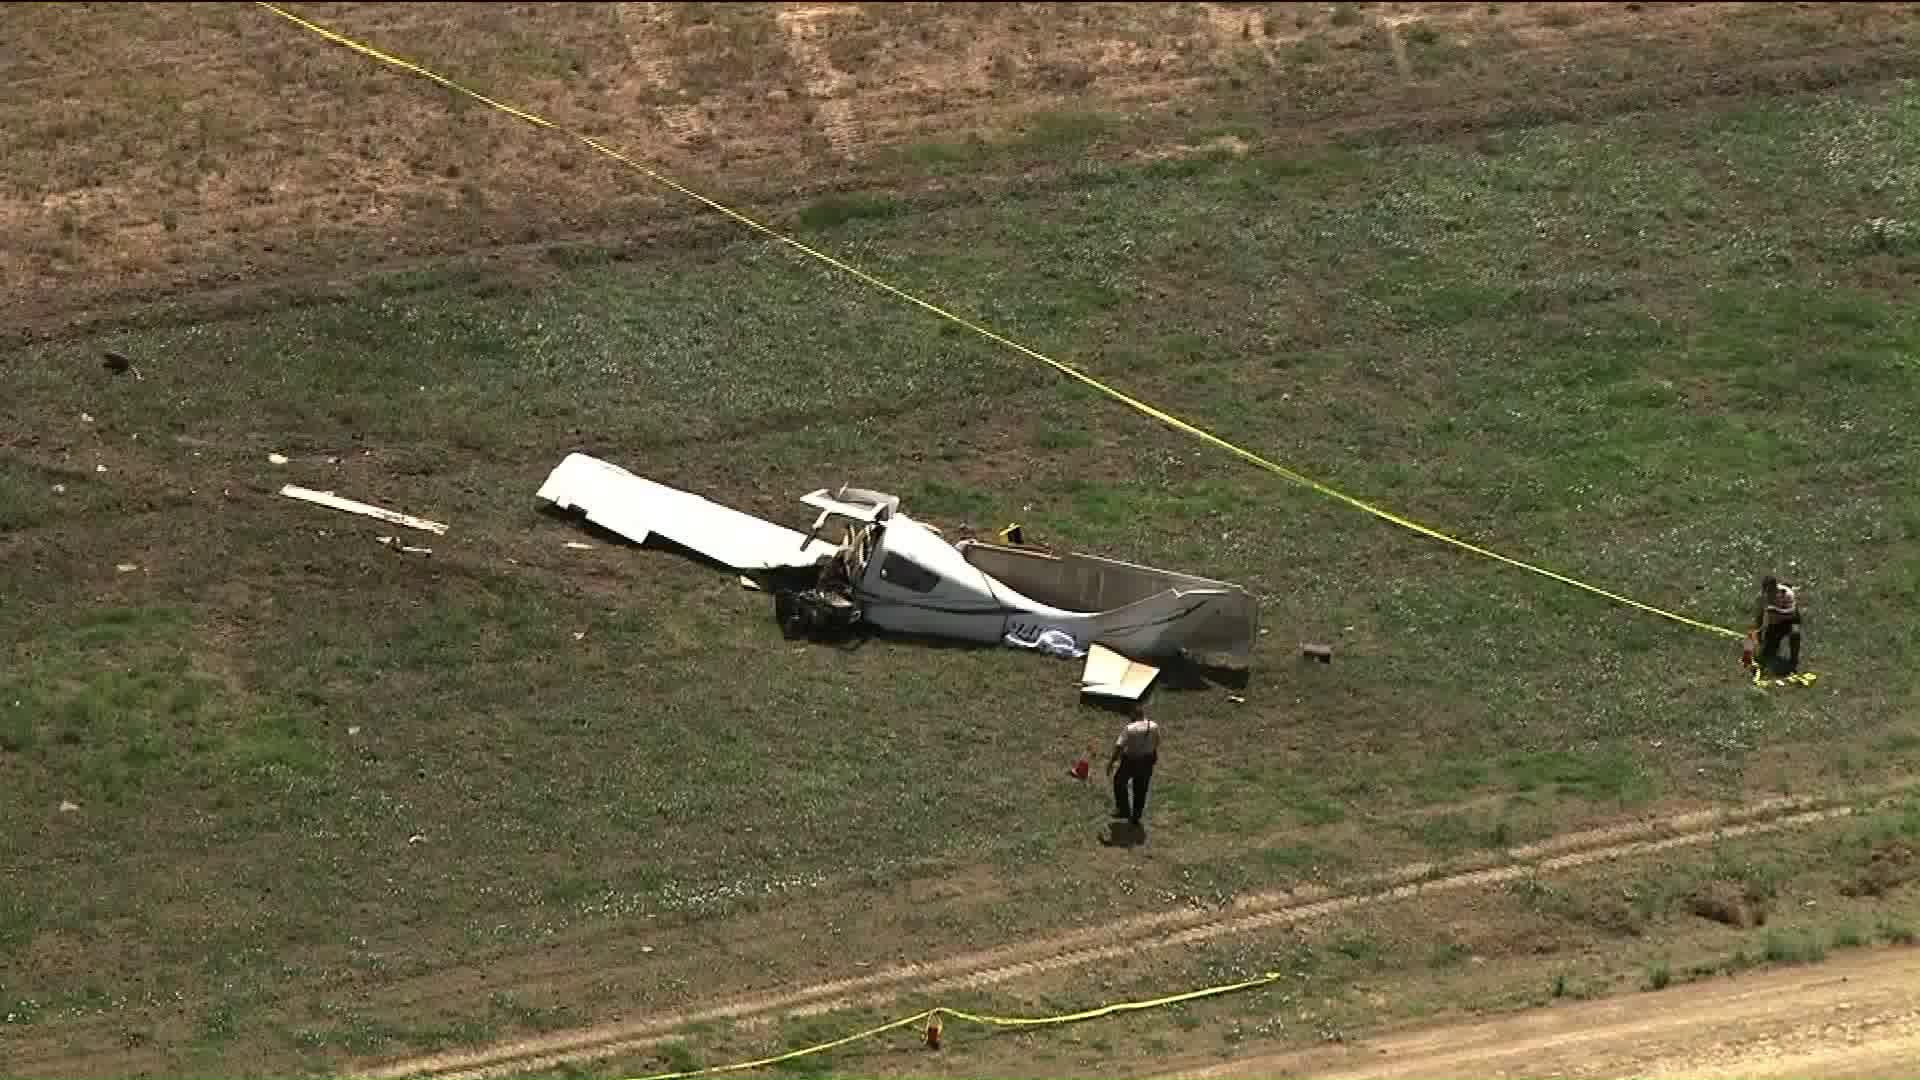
pixel 1850 1018
pixel 1263 911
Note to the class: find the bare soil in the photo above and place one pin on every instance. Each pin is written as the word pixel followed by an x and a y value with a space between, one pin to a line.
pixel 1851 1018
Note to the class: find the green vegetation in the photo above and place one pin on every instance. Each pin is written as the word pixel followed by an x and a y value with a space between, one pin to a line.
pixel 1628 350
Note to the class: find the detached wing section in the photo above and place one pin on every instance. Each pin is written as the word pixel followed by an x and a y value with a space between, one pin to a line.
pixel 1109 674
pixel 634 507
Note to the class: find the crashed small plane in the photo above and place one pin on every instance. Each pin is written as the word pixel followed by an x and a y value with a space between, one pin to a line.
pixel 901 575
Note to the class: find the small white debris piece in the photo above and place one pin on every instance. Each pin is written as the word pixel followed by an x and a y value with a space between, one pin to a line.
pixel 404 549
pixel 333 461
pixel 1055 643
pixel 417 838
pixel 332 501
pixel 86 418
pixel 1236 699
pixel 59 489
pixel 68 806
pixel 354 730
pixel 575 545
pixel 579 635
pixel 748 583
pixel 646 948
pixel 99 468
pixel 127 567
pixel 277 459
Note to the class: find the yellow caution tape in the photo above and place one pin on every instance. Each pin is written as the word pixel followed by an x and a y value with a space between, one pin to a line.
pixel 1065 369
pixel 989 1021
pixel 1798 678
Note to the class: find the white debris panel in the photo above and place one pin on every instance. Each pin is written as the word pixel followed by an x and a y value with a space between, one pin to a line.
pixel 332 501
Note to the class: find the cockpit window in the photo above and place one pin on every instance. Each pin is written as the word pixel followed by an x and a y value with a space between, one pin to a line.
pixel 897 570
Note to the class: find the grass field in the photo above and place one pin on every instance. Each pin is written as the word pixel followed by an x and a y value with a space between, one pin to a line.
pixel 336 804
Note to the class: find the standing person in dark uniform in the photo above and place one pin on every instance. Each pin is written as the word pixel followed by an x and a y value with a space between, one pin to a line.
pixel 1777 619
pixel 1134 752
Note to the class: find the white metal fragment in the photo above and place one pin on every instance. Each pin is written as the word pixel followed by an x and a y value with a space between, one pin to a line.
pixel 575 545
pixel 99 468
pixel 332 501
pixel 277 459
pixel 86 418
pixel 67 806
pixel 127 567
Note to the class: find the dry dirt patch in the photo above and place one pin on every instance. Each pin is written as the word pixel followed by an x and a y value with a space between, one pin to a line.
pixel 171 149
pixel 1854 1017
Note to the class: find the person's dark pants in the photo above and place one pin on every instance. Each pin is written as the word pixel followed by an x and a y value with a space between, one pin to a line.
pixel 1787 630
pixel 1138 771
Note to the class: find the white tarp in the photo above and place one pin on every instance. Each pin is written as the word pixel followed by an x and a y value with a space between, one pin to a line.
pixel 633 507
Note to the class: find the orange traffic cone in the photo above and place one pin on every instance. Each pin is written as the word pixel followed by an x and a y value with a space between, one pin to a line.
pixel 1083 765
pixel 1746 650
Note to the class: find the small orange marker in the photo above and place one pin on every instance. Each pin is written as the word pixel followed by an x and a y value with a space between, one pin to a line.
pixel 1082 766
pixel 933 1032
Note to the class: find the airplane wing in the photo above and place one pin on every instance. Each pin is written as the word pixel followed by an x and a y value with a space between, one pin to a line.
pixel 633 507
pixel 1109 674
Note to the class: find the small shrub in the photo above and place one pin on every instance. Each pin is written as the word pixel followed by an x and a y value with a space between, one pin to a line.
pixel 838 209
pixel 1659 974
pixel 1799 949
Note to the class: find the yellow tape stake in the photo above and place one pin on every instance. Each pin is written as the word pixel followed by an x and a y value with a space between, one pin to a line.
pixel 1065 369
pixel 989 1021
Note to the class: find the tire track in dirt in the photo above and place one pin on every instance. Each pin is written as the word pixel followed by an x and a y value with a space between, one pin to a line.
pixel 647 28
pixel 1155 931
pixel 826 84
